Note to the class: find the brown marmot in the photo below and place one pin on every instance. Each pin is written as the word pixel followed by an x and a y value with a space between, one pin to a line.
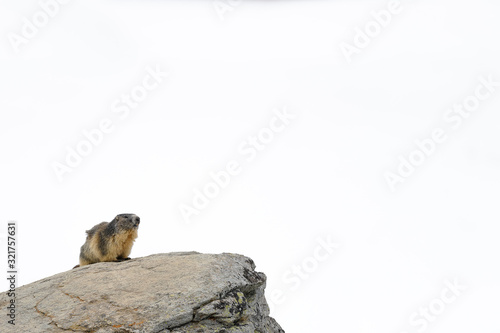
pixel 110 241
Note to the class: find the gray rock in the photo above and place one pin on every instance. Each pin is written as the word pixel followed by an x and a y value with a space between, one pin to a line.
pixel 168 293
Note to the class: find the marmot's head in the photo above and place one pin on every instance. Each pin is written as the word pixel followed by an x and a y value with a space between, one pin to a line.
pixel 125 222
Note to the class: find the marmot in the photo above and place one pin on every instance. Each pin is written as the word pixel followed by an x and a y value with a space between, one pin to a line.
pixel 110 241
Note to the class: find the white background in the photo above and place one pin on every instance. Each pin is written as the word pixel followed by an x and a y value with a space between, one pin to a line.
pixel 322 177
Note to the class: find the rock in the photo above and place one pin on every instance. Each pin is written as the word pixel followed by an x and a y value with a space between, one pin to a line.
pixel 168 293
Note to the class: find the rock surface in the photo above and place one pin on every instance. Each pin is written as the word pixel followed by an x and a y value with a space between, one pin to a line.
pixel 167 293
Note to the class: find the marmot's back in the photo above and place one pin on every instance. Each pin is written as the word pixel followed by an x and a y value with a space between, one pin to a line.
pixel 110 241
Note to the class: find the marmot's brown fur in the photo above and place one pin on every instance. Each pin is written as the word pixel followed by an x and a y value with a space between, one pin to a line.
pixel 110 241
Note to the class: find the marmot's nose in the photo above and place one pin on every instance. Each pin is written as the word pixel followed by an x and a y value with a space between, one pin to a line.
pixel 137 220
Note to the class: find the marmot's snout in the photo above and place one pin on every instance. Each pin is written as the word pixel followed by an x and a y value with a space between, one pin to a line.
pixel 136 219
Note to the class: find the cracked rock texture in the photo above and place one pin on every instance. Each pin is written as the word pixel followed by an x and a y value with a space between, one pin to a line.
pixel 168 293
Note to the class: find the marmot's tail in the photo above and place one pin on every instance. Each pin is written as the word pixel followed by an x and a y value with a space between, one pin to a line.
pixel 76 266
